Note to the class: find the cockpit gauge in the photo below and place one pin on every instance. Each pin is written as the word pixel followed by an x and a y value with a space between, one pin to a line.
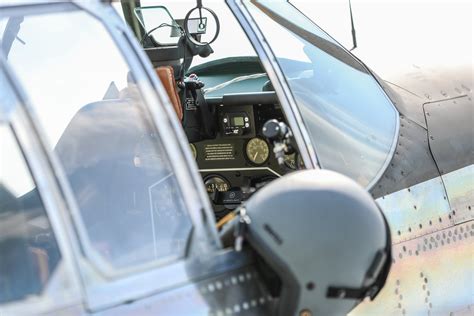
pixel 216 183
pixel 193 150
pixel 257 151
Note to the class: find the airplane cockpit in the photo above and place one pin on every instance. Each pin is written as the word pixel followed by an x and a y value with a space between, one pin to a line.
pixel 223 94
pixel 155 166
pixel 226 103
pixel 123 174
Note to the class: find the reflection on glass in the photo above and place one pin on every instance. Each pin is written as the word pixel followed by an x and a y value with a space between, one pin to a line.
pixel 28 250
pixel 92 112
pixel 158 22
pixel 350 120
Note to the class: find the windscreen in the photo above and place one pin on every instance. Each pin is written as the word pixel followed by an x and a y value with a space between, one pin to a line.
pixel 351 121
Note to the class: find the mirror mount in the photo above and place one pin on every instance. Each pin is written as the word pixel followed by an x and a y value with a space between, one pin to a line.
pixel 201 24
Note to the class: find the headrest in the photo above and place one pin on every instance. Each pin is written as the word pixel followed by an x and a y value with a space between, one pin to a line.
pixel 166 75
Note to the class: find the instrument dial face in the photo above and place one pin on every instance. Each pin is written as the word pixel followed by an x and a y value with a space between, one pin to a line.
pixel 216 183
pixel 257 151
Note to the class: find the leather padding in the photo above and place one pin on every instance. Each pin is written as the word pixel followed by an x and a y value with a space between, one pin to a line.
pixel 166 75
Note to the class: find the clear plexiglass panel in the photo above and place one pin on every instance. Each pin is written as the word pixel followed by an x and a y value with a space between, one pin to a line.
pixel 92 112
pixel 351 121
pixel 29 253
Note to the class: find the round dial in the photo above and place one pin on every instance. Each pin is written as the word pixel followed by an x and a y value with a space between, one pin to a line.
pixel 216 183
pixel 257 151
pixel 193 150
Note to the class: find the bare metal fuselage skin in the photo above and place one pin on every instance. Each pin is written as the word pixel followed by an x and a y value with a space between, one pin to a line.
pixel 427 194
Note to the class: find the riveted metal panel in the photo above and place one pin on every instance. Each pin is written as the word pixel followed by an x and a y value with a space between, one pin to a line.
pixel 237 292
pixel 432 249
pixel 451 132
pixel 433 82
pixel 407 103
pixel 417 210
pixel 431 275
pixel 411 163
pixel 460 189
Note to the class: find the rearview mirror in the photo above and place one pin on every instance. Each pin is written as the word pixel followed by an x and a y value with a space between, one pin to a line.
pixel 159 24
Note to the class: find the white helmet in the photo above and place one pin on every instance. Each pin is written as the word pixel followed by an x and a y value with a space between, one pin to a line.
pixel 324 238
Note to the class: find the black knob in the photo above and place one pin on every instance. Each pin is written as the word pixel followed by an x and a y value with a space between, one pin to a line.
pixel 274 130
pixel 271 129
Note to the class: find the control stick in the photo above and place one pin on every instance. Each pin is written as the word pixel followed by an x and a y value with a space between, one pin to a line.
pixel 280 135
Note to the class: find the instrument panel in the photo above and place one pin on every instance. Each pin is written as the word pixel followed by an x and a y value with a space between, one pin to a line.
pixel 239 161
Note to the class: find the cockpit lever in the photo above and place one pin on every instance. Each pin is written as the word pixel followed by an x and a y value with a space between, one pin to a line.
pixel 280 135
